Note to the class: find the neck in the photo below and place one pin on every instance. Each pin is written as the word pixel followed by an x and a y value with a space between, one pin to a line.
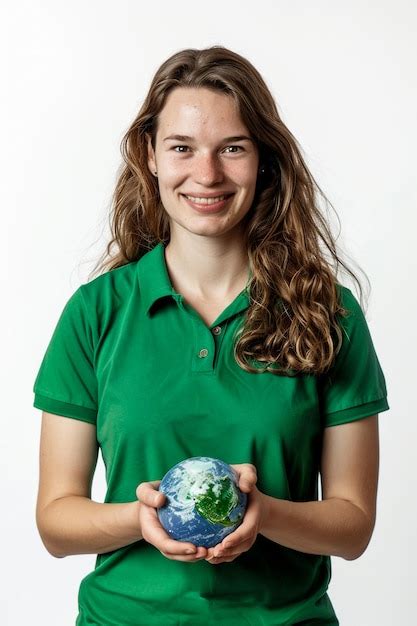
pixel 207 267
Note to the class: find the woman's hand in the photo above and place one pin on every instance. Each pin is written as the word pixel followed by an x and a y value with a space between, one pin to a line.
pixel 237 542
pixel 152 530
pixel 243 538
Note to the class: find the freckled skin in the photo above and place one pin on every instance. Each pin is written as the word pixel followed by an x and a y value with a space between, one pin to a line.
pixel 207 164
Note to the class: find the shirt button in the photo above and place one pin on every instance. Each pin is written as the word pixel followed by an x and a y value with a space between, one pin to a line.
pixel 217 330
pixel 203 352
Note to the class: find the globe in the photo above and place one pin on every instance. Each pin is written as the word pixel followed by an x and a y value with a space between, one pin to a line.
pixel 203 501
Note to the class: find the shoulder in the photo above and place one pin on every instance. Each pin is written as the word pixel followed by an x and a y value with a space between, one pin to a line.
pixel 350 303
pixel 347 298
pixel 109 289
pixel 355 332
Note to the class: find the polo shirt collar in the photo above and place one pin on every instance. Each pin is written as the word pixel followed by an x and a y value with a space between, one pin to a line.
pixel 155 283
pixel 153 277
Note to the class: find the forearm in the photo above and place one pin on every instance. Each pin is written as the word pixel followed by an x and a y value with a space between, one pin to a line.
pixel 78 525
pixel 332 527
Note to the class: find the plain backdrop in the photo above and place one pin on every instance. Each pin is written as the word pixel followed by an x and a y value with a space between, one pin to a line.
pixel 74 75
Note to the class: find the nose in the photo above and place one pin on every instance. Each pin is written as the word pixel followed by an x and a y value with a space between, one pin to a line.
pixel 208 170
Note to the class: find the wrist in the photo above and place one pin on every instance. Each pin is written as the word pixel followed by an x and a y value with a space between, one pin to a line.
pixel 131 520
pixel 266 512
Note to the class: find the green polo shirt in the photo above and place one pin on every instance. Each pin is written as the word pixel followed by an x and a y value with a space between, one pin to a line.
pixel 131 356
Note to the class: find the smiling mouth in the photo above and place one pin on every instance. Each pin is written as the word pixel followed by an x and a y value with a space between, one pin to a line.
pixel 208 201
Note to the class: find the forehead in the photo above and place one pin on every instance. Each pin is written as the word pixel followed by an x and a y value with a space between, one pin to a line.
pixel 199 109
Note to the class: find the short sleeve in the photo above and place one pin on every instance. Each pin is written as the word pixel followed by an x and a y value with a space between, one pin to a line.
pixel 354 387
pixel 66 383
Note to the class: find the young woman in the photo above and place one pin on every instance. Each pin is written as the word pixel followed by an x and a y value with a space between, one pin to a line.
pixel 219 329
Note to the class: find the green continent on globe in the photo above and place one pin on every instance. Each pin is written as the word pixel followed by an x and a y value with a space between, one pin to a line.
pixel 216 508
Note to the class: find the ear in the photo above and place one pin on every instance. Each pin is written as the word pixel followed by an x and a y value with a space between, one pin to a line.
pixel 151 154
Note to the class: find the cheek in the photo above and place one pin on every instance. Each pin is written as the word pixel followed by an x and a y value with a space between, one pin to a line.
pixel 173 172
pixel 172 167
pixel 170 180
pixel 245 178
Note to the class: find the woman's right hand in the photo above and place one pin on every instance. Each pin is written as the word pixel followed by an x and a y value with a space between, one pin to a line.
pixel 152 530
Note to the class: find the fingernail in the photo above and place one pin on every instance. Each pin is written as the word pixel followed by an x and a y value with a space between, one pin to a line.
pixel 190 551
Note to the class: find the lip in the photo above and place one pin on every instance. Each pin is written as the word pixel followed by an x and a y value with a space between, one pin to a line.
pixel 214 194
pixel 208 208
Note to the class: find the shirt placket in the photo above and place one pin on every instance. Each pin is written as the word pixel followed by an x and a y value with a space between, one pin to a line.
pixel 207 341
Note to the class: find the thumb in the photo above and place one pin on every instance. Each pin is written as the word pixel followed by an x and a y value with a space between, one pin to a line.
pixel 147 492
pixel 246 476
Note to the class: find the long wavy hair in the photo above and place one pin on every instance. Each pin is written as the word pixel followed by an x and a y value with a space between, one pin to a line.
pixel 292 323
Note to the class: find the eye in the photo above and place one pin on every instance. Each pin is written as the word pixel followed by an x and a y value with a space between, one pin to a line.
pixel 182 146
pixel 239 147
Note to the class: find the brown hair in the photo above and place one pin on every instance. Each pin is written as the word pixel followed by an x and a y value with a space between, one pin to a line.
pixel 291 323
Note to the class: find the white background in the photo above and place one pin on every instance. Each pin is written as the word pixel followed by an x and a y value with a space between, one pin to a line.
pixel 74 75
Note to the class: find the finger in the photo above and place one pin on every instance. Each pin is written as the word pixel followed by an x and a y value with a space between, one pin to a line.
pixel 198 556
pixel 210 554
pixel 238 543
pixel 219 556
pixel 247 476
pixel 147 492
pixel 220 552
pixel 222 560
pixel 226 558
pixel 243 536
pixel 240 540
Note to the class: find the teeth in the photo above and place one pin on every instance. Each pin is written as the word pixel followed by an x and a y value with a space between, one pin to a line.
pixel 206 200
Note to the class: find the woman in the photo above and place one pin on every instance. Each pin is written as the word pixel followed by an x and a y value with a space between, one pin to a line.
pixel 219 330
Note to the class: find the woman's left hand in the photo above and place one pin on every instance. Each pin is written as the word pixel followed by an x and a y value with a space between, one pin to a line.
pixel 243 538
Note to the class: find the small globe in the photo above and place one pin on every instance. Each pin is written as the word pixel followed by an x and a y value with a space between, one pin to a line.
pixel 203 501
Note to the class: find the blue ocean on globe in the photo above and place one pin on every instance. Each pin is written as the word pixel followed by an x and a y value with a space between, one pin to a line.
pixel 203 501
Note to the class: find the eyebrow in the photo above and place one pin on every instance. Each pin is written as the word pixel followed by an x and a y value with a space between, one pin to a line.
pixel 188 138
